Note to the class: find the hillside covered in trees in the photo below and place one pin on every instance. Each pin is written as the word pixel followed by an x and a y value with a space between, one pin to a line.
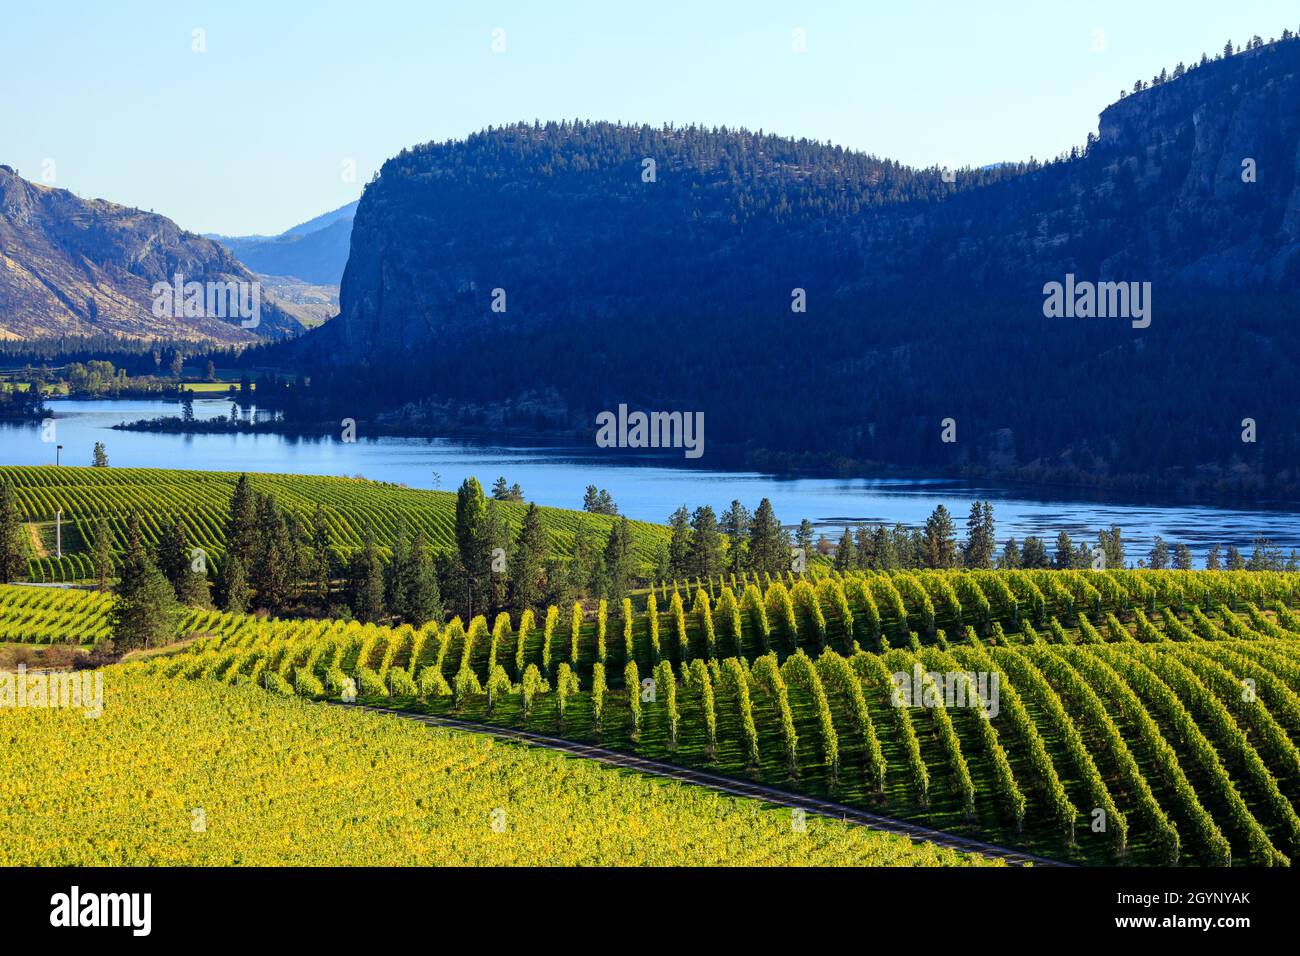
pixel 831 309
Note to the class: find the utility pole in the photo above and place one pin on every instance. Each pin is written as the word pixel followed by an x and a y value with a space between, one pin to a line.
pixel 58 449
pixel 58 533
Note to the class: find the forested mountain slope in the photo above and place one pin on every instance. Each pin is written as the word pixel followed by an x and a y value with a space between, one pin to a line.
pixel 924 296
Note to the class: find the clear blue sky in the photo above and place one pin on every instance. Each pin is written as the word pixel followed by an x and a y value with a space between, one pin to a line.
pixel 251 135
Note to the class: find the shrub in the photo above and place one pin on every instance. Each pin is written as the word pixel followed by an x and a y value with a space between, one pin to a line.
pixel 400 683
pixel 307 684
pixel 370 684
pixel 430 683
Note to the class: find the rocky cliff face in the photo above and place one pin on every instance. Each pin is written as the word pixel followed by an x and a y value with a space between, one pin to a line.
pixel 70 266
pixel 1190 184
pixel 1214 158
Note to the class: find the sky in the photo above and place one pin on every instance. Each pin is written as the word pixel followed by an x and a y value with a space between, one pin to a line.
pixel 239 117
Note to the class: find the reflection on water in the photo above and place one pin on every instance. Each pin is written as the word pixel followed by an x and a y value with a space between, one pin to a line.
pixel 645 488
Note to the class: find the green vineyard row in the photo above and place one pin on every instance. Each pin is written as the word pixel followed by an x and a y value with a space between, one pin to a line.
pixel 200 500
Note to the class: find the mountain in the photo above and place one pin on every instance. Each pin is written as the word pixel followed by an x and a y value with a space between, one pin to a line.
pixel 72 266
pixel 925 293
pixel 313 304
pixel 314 252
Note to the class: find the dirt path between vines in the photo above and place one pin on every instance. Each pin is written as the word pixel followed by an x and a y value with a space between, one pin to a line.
pixel 38 546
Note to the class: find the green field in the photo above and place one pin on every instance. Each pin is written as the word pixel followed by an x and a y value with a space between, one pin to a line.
pixel 1166 700
pixel 205 388
pixel 200 500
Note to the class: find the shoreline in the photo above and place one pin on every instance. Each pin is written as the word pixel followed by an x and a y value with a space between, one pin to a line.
pixel 1037 482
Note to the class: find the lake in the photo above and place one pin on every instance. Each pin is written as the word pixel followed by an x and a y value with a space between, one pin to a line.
pixel 648 488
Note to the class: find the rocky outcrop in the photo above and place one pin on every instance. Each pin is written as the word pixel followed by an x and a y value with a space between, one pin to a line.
pixel 72 266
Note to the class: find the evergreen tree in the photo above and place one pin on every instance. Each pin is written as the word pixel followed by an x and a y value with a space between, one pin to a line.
pixel 530 556
pixel 1010 559
pixel 366 582
pixel 884 553
pixel 618 561
pixel 1266 556
pixel 1182 557
pixel 988 530
pixel 679 544
pixel 272 566
pixel 845 553
pixel 136 558
pixel 101 554
pixel 500 490
pixel 241 522
pixel 769 547
pixel 420 589
pixel 660 572
pixel 803 539
pixel 234 586
pixel 1158 560
pixel 864 548
pixel 396 574
pixel 1112 545
pixel 471 543
pixel 940 540
pixel 174 555
pixel 101 456
pixel 1212 559
pixel 1034 554
pixel 911 547
pixel 195 590
pixel 13 556
pixel 1235 561
pixel 705 557
pixel 735 525
pixel 1064 559
pixel 1083 555
pixel 583 568
pixel 496 542
pixel 980 543
pixel 598 501
pixel 145 613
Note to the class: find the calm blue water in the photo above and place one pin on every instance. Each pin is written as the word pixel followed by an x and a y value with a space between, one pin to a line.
pixel 645 488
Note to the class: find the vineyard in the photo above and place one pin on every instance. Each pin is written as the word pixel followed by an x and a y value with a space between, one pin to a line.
pixel 201 775
pixel 1141 717
pixel 200 500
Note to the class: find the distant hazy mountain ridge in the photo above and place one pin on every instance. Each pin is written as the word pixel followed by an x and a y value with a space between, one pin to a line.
pixel 314 252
